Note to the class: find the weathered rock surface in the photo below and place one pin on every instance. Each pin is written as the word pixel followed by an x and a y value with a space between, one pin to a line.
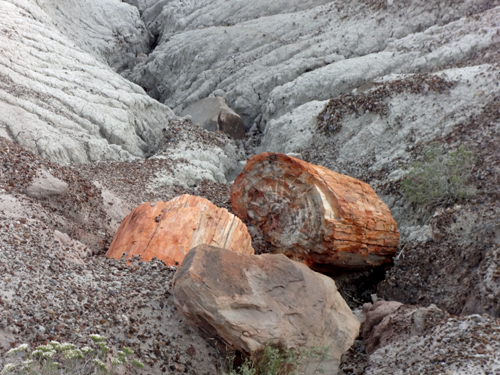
pixel 111 31
pixel 375 324
pixel 198 155
pixel 267 60
pixel 45 185
pixel 168 230
pixel 313 214
pixel 213 114
pixel 388 321
pixel 63 103
pixel 422 340
pixel 248 301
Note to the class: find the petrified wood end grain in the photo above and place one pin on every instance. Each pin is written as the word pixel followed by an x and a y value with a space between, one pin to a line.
pixel 313 214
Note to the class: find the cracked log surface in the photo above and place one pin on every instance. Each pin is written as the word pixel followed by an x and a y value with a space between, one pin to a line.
pixel 168 230
pixel 313 214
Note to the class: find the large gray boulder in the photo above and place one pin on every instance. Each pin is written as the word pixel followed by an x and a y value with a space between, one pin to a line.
pixel 248 301
pixel 214 114
pixel 64 103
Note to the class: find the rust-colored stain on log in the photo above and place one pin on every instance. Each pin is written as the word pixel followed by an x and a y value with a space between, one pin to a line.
pixel 168 230
pixel 313 214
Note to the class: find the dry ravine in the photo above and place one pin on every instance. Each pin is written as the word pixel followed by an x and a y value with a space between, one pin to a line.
pixel 348 153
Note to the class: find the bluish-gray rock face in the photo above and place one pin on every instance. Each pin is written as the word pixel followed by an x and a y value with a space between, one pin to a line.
pixel 58 95
pixel 266 60
pixel 61 95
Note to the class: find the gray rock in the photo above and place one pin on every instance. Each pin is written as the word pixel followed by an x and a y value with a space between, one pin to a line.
pixel 63 103
pixel 111 31
pixel 205 112
pixel 45 185
pixel 270 59
pixel 214 114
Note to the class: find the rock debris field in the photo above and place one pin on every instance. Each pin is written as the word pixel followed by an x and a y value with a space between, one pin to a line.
pixel 93 123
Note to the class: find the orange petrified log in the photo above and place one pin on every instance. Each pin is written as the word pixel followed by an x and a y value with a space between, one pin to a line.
pixel 168 230
pixel 314 215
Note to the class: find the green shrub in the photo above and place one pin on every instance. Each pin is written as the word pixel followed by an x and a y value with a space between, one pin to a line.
pixel 274 361
pixel 440 178
pixel 66 359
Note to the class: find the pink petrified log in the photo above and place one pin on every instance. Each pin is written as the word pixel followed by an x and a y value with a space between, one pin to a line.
pixel 314 215
pixel 168 230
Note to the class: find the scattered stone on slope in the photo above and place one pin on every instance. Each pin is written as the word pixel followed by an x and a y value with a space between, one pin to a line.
pixel 168 230
pixel 315 215
pixel 375 101
pixel 386 321
pixel 45 296
pixel 409 339
pixel 76 206
pixel 53 286
pixel 426 341
pixel 458 269
pixel 198 154
pixel 248 301
pixel 214 114
pixel 45 185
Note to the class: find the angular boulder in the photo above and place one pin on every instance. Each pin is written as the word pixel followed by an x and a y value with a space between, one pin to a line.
pixel 168 230
pixel 214 114
pixel 45 185
pixel 313 214
pixel 248 301
pixel 390 321
pixel 372 328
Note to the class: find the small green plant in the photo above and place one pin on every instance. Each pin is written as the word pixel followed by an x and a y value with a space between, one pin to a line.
pixel 66 359
pixel 440 178
pixel 275 361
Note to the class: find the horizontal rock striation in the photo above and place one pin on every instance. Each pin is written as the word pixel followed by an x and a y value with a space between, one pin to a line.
pixel 313 214
pixel 266 60
pixel 248 301
pixel 63 103
pixel 112 31
pixel 168 230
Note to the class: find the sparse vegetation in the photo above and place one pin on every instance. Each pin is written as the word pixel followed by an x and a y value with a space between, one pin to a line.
pixel 274 361
pixel 66 359
pixel 440 178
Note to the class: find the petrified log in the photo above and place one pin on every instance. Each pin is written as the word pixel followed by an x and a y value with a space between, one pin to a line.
pixel 168 230
pixel 248 301
pixel 313 214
